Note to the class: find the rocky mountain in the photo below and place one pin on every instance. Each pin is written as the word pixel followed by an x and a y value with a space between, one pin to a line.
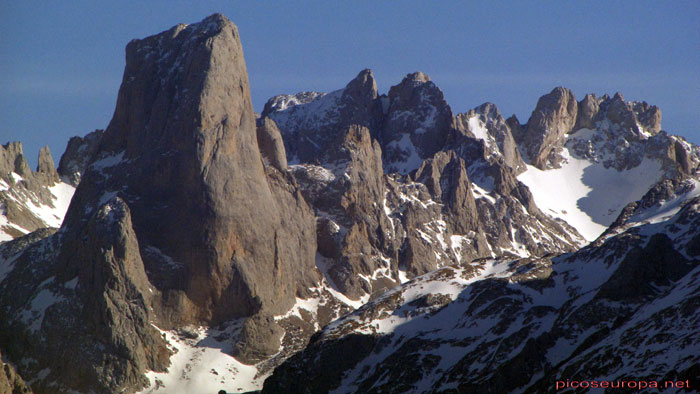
pixel 624 306
pixel 78 155
pixel 30 200
pixel 337 235
pixel 10 382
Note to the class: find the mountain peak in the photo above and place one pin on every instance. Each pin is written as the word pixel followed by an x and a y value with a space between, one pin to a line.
pixel 363 84
pixel 618 97
pixel 417 76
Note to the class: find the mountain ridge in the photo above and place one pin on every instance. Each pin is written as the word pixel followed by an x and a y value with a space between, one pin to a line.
pixel 197 225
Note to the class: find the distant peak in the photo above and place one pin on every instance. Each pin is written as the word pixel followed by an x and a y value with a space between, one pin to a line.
pixel 489 109
pixel 363 84
pixel 417 76
pixel 561 91
pixel 216 18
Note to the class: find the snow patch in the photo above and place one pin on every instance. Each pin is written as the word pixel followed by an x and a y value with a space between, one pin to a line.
pixel 203 364
pixel 411 160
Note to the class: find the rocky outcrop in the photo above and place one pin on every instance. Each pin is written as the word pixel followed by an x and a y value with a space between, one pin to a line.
pixel 79 153
pixel 588 109
pixel 612 131
pixel 88 301
pixel 311 122
pixel 419 220
pixel 486 123
pixel 12 160
pixel 624 134
pixel 417 123
pixel 504 205
pixel 445 175
pixel 10 381
pixel 28 200
pixel 45 167
pixel 260 338
pixel 271 143
pixel 620 113
pixel 648 116
pixel 553 117
pixel 635 117
pixel 353 231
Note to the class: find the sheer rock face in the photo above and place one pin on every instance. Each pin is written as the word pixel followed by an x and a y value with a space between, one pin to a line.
pixel 45 167
pixel 271 143
pixel 587 111
pixel 445 175
pixel 553 117
pixel 88 303
pixel 417 123
pixel 116 304
pixel 182 151
pixel 353 231
pixel 79 153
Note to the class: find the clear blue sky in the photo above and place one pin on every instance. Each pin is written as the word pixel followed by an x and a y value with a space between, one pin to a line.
pixel 61 62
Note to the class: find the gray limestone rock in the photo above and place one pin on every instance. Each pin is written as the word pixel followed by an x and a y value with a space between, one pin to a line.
pixel 352 227
pixel 271 143
pixel 587 112
pixel 505 333
pixel 498 137
pixel 10 381
pixel 23 192
pixel 620 112
pixel 311 123
pixel 259 339
pixel 176 219
pixel 648 116
pixel 181 147
pixel 445 175
pixel 45 167
pixel 95 309
pixel 417 124
pixel 12 160
pixel 553 117
pixel 78 155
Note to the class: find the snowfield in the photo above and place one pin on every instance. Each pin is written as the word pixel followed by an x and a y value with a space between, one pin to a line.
pixel 587 195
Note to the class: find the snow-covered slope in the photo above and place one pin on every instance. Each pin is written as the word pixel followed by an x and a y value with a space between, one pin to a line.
pixel 202 362
pixel 586 194
pixel 601 170
pixel 517 326
pixel 30 200
pixel 50 214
